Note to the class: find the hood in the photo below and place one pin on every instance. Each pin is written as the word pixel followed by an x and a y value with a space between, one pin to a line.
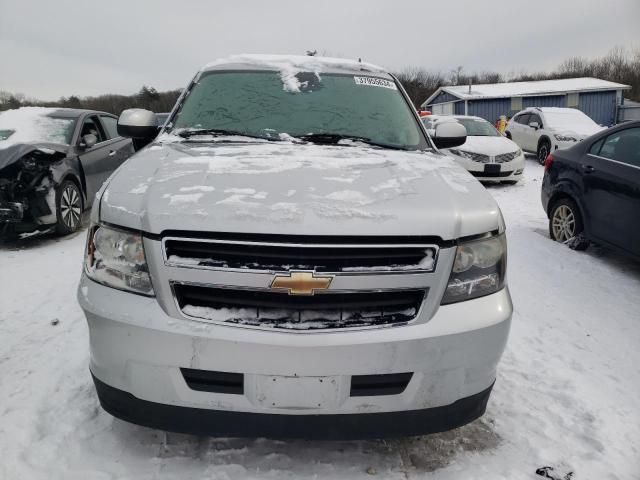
pixel 286 188
pixel 14 152
pixel 579 132
pixel 490 146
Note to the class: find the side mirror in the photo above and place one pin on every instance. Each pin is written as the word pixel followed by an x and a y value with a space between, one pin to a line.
pixel 535 125
pixel 138 124
pixel 449 135
pixel 88 141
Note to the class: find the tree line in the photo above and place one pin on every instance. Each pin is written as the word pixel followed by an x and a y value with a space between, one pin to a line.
pixel 619 65
pixel 147 97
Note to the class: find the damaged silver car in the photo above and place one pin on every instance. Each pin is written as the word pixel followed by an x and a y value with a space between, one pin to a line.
pixel 52 164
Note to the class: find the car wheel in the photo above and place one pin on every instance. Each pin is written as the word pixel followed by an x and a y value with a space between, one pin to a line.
pixel 69 206
pixel 565 224
pixel 543 151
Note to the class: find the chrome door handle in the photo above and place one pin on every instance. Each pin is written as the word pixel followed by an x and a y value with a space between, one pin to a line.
pixel 112 153
pixel 588 169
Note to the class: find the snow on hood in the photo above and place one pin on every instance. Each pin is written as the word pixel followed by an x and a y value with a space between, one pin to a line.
pixel 286 188
pixel 290 65
pixel 488 145
pixel 31 124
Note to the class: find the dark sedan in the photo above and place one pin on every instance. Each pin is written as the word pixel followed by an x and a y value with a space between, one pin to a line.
pixel 591 191
pixel 52 164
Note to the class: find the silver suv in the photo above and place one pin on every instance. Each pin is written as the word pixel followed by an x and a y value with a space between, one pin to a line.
pixel 293 257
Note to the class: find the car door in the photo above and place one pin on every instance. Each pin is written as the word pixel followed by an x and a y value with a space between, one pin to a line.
pixel 611 176
pixel 517 129
pixel 531 134
pixel 123 146
pixel 99 160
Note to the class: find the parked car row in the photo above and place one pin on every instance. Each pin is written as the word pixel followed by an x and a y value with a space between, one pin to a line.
pixel 591 185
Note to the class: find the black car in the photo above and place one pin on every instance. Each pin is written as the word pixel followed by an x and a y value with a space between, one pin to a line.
pixel 591 191
pixel 52 164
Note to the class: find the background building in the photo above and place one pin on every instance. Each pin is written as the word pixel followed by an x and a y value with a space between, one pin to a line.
pixel 600 99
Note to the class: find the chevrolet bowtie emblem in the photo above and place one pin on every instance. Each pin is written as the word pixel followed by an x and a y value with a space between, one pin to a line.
pixel 301 283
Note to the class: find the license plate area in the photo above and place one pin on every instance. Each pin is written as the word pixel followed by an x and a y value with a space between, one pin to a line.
pixel 296 392
pixel 492 168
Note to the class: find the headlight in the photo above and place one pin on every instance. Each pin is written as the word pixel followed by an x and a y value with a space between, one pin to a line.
pixel 518 152
pixel 478 269
pixel 116 258
pixel 461 153
pixel 563 138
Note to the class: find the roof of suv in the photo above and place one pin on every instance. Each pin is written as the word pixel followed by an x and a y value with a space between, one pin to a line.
pixel 294 64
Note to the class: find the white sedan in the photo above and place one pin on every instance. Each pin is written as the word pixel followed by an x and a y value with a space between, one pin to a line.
pixel 487 154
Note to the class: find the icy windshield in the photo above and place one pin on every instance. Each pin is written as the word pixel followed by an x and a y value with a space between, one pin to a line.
pixel 259 104
pixel 34 124
pixel 478 128
pixel 569 119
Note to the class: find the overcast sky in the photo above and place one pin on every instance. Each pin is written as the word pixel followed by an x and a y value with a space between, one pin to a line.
pixel 50 48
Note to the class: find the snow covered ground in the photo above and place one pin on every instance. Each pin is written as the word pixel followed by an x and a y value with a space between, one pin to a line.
pixel 567 394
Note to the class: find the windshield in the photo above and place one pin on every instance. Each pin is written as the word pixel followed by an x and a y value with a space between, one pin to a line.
pixel 29 125
pixel 256 103
pixel 568 119
pixel 478 128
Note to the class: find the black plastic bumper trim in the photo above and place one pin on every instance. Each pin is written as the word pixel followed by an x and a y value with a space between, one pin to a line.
pixel 220 423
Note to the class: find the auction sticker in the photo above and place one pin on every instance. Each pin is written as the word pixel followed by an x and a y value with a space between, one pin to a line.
pixel 375 82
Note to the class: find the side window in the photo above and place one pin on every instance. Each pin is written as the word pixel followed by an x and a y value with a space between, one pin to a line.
pixel 595 148
pixel 623 146
pixel 110 125
pixel 535 118
pixel 523 119
pixel 92 125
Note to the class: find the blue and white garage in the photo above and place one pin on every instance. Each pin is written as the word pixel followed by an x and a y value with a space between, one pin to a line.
pixel 600 99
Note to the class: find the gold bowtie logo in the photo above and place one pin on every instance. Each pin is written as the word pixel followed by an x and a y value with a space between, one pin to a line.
pixel 301 283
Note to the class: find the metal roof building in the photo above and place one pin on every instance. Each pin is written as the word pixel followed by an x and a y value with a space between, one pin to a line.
pixel 597 98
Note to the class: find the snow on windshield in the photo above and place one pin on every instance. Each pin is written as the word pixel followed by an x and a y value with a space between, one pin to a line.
pixel 568 118
pixel 289 66
pixel 33 124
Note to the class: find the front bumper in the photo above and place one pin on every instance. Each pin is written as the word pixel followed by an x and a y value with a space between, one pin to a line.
pixel 201 421
pixel 137 352
pixel 509 171
pixel 11 212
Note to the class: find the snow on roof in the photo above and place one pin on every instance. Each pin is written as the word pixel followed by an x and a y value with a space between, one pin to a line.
pixel 520 89
pixel 290 65
pixel 302 62
pixel 29 124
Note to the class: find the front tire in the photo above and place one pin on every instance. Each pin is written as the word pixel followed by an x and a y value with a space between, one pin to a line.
pixel 544 148
pixel 565 224
pixel 69 207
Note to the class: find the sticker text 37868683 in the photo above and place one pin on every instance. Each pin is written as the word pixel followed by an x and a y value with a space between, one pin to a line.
pixel 375 82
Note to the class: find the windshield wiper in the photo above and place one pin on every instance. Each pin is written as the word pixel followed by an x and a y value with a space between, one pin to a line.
pixel 334 138
pixel 216 132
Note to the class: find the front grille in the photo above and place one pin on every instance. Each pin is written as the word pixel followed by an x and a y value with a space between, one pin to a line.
pixel 478 157
pixel 325 310
pixel 488 174
pixel 506 157
pixel 282 257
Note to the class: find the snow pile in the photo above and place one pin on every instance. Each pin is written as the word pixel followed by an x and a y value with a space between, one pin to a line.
pixel 290 65
pixel 32 124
